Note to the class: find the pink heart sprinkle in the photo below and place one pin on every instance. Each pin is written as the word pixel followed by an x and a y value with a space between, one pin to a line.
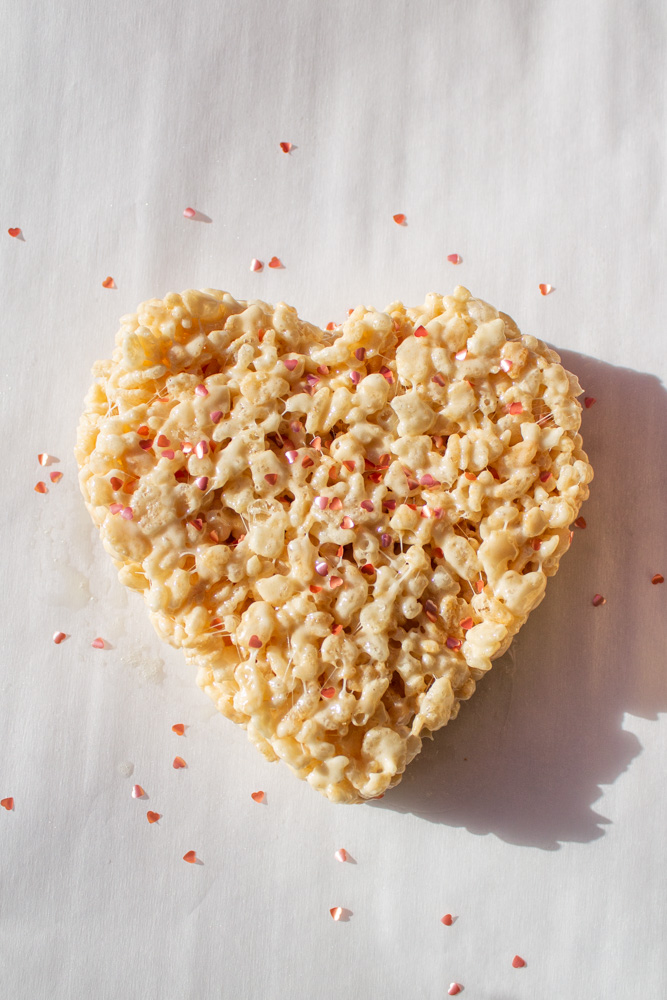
pixel 446 920
pixel 399 219
pixel 367 505
pixel 98 643
pixel 257 796
pixel 137 792
pixel 454 988
pixel 341 855
pixel 201 482
pixel 454 258
pixel 127 513
pixel 256 265
pixel 286 147
pixel 189 213
pixel 290 364
pixel 59 637
pixel 115 508
pixel 347 523
pixel 328 692
pixel 599 600
pixel 506 364
pixel 201 390
pixel 216 416
pixel 461 355
pixel 518 962
pixel 255 642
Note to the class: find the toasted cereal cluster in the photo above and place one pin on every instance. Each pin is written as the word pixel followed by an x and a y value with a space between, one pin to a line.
pixel 341 528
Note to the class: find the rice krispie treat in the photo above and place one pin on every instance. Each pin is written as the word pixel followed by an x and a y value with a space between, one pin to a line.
pixel 341 528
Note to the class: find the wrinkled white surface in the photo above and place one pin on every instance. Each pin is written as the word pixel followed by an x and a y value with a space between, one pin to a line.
pixel 529 138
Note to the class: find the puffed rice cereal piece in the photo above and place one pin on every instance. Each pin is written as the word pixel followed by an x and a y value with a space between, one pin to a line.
pixel 340 529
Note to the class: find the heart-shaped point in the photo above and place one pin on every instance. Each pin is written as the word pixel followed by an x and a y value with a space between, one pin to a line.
pixel 152 817
pixel 7 803
pixel 190 857
pixel 335 516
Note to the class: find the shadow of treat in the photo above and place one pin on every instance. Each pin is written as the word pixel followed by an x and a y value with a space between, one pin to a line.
pixel 528 754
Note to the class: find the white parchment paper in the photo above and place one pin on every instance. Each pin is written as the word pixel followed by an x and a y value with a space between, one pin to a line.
pixel 530 139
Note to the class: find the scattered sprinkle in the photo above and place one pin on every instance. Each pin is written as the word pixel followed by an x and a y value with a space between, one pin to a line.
pixel 59 637
pixel 360 353
pixel 580 522
pixel 291 364
pixel 367 569
pixel 546 289
pixel 453 643
pixel 7 803
pixel 355 377
pixel 145 445
pixel 336 912
pixel 178 762
pixel 137 792
pixel 190 857
pixel 163 441
pixel 286 147
pixel 466 623
pixel 387 374
pixel 589 401
pixel 14 231
pixel 321 502
pixel 271 478
pixel 169 453
pixel 385 540
pixel 214 536
pixel 347 523
pixel 336 504
pixel 328 692
pixel 341 855
pixel 321 567
pixel 518 962
pixel 544 476
pixel 255 642
pixel 201 449
pixel 109 282
pixel 454 258
pixel 506 365
pixel 291 457
pixel 470 476
pixel 152 817
pixel 216 416
pixel 257 796
pixel 367 505
pixel 127 513
pixel 399 219
pixel 658 578
pixel 201 482
pixel 314 589
pixel 98 643
pixel 515 408
pixel 115 508
pixel 598 600
pixel 115 483
pixel 454 988
pixel 479 586
pixel 421 331
pixel 349 465
pixel 44 458
pixel 256 265
pixel 335 581
pixel 276 262
pixel 201 390
pixel 307 462
pixel 446 920
pixel 189 213
pixel 179 729
pixel 462 354
pixel 438 379
pixel 41 488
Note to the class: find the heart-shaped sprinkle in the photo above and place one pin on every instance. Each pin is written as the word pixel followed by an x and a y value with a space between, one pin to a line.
pixel 658 578
pixel 14 231
pixel 7 803
pixel 454 988
pixel 580 522
pixel 589 401
pixel 109 283
pixel 201 390
pixel 399 219
pixel 189 213
pixel 506 365
pixel 275 262
pixel 190 857
pixel 127 513
pixel 41 488
pixel 115 483
pixel 421 331
pixel 255 642
pixel 286 147
pixel 518 962
pixel 546 289
pixel 271 478
pixel 201 482
pixel 137 792
pixel 454 258
pixel 447 920
pixel 328 692
pixel 290 363
pixel 257 796
pixel 44 458
pixel 152 817
pixel 59 637
pixel 178 728
pixel 598 600
pixel 98 643
pixel 178 762
pixel 256 265
pixel 336 912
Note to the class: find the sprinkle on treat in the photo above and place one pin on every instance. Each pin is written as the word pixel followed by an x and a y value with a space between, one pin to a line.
pixel 580 522
pixel 454 258
pixel 330 538
pixel 178 763
pixel 258 796
pixel 399 219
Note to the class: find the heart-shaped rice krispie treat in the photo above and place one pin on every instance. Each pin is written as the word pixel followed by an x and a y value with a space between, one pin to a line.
pixel 341 528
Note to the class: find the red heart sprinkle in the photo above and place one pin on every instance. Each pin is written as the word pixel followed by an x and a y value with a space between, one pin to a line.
pixel 152 817
pixel 589 401
pixel 454 258
pixel 59 637
pixel 189 213
pixel 255 642
pixel 546 289
pixel 14 232
pixel 178 762
pixel 108 283
pixel 257 796
pixel 98 643
pixel 454 988
pixel 328 692
pixel 179 729
pixel 658 578
pixel 7 803
pixel 446 920
pixel 518 962
pixel 399 219
pixel 190 857
pixel 256 265
pixel 41 488
pixel 421 332
pixel 286 147
pixel 275 262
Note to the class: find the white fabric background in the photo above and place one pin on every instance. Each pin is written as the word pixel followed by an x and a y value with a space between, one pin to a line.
pixel 529 138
